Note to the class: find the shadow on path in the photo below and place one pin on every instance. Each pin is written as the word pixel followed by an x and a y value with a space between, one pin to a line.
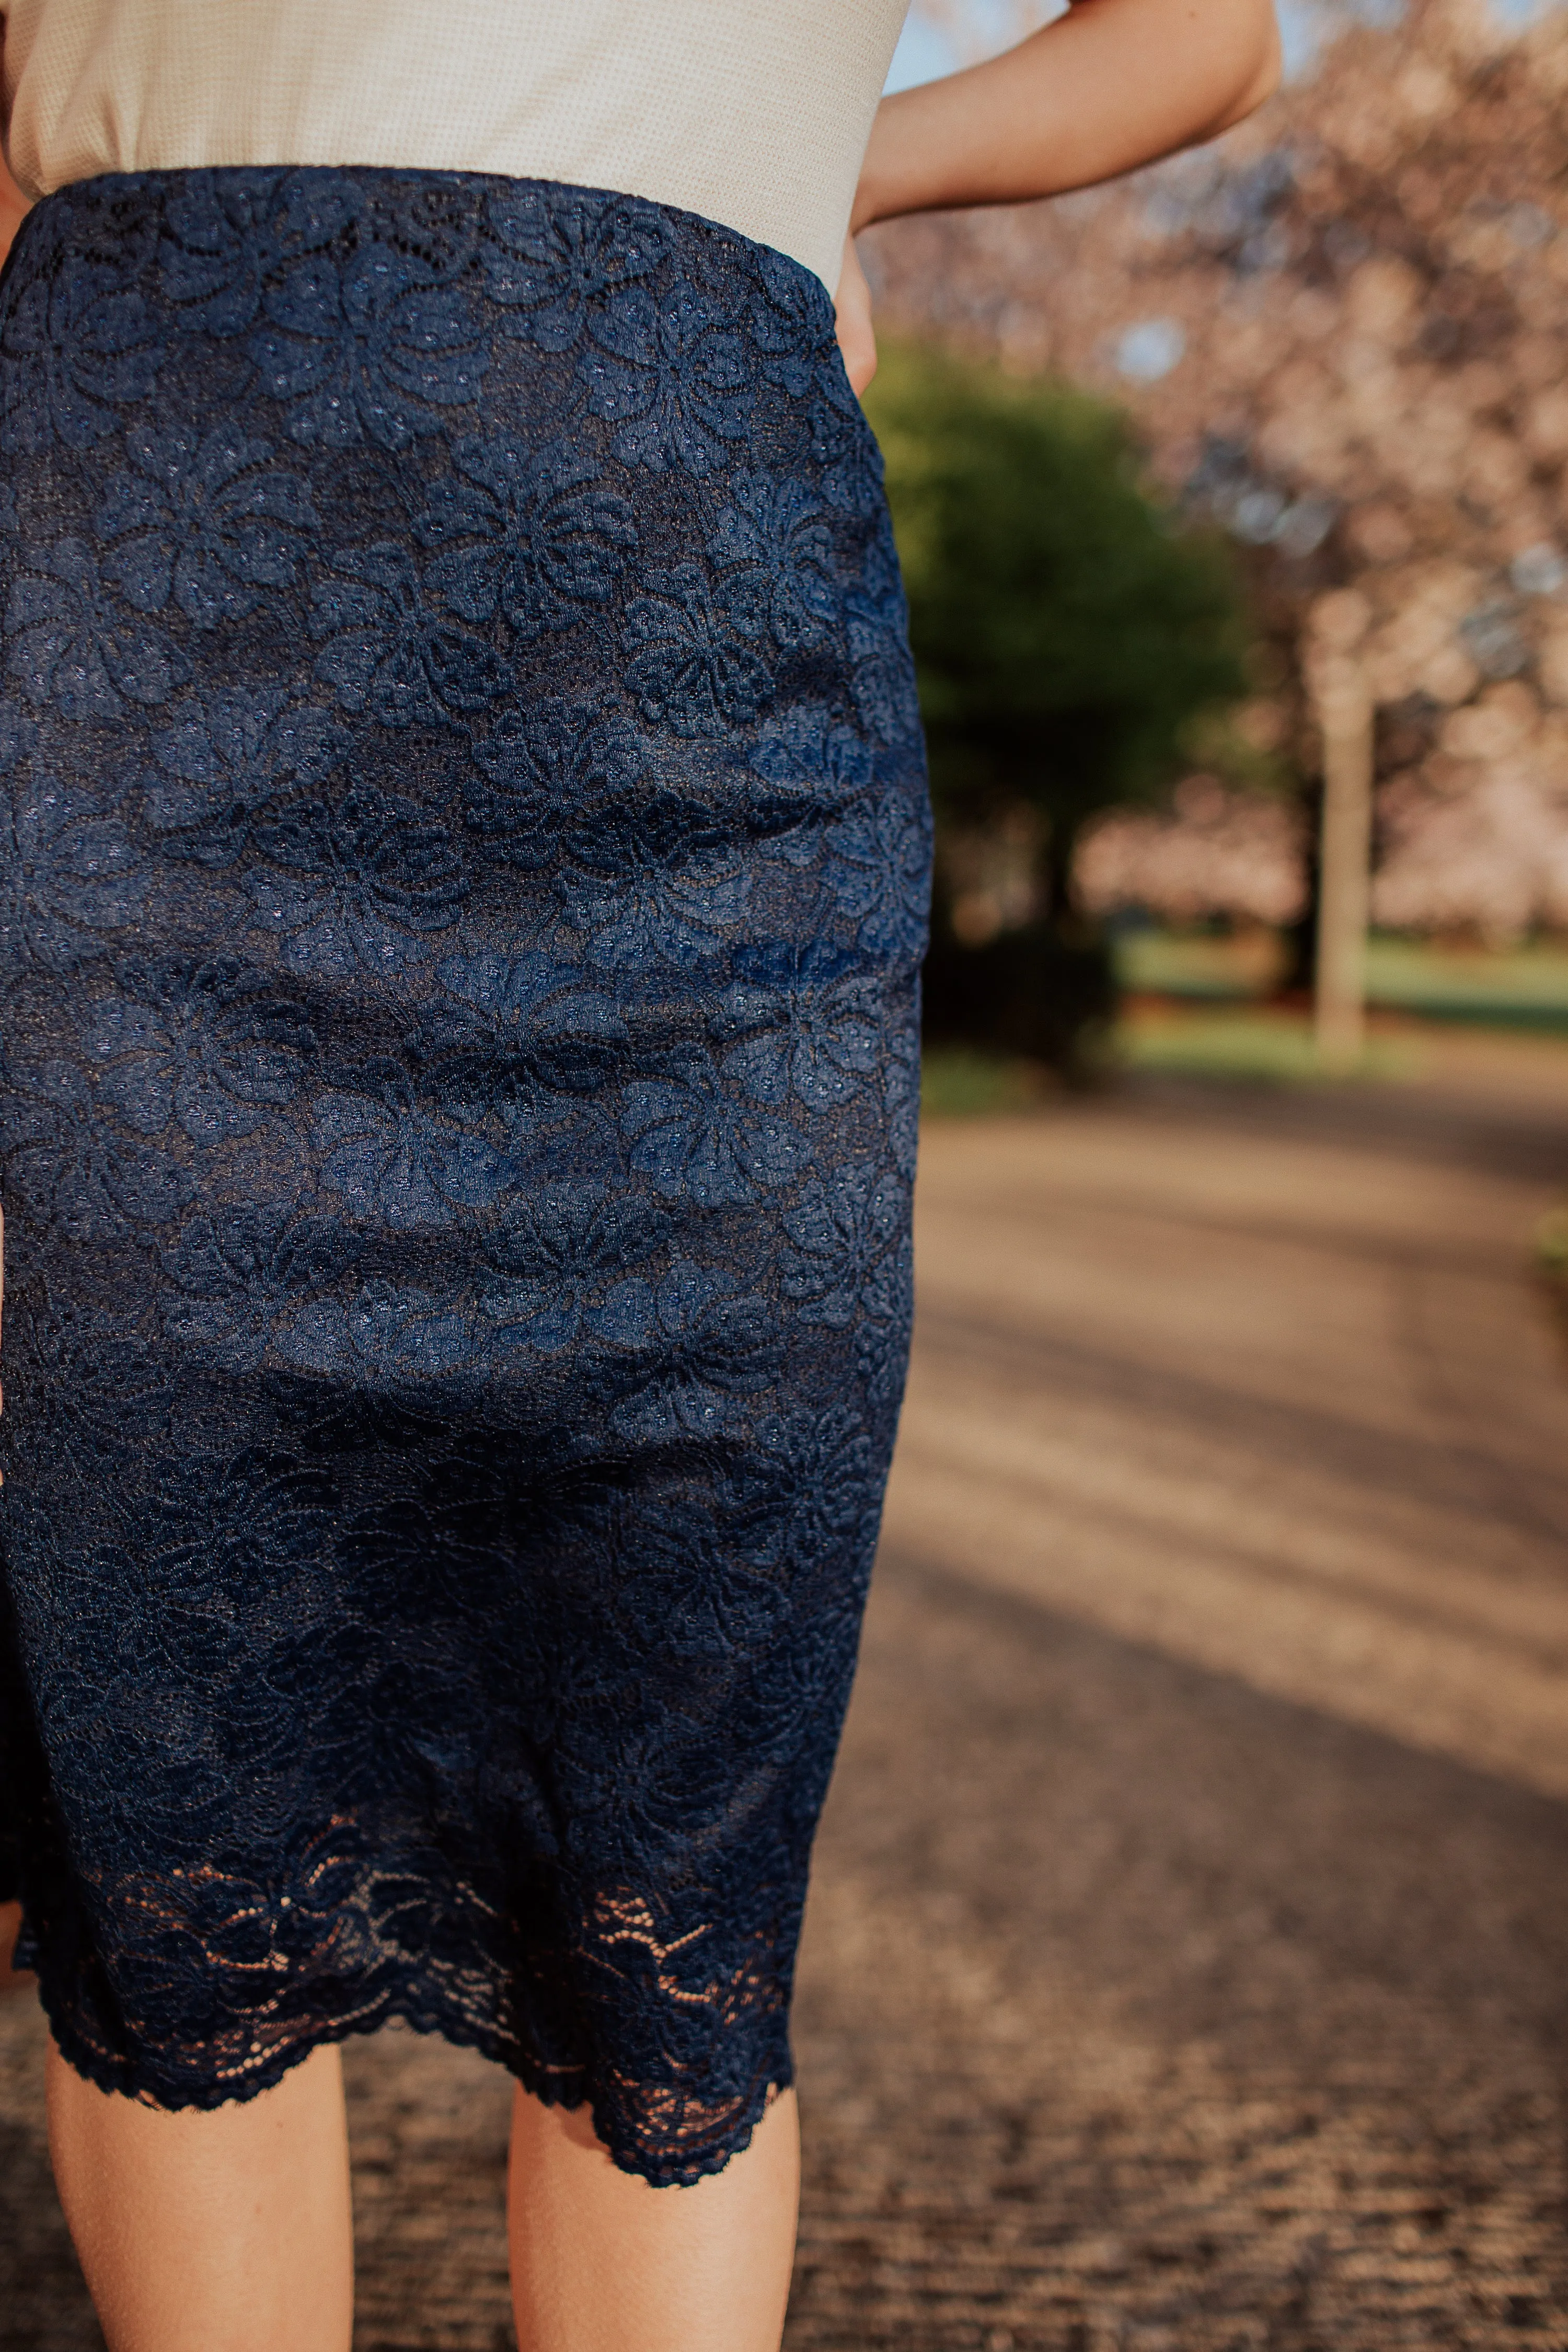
pixel 1138 2009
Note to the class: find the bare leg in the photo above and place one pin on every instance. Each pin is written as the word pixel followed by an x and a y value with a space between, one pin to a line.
pixel 602 2263
pixel 221 2232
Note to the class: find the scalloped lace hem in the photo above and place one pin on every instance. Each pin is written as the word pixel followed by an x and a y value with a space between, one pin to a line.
pixel 660 2170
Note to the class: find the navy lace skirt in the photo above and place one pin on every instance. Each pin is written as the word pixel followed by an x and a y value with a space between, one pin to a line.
pixel 462 887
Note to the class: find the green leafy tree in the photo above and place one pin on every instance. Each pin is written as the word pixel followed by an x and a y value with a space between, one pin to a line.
pixel 1068 628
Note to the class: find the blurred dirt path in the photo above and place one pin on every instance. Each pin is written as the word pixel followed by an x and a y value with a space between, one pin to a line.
pixel 1187 1963
pixel 1264 1387
pixel 1187 1968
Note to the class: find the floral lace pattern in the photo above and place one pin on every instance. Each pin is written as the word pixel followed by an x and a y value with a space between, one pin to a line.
pixel 462 885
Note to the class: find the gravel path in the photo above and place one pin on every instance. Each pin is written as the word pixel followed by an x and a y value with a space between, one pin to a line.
pixel 1187 1964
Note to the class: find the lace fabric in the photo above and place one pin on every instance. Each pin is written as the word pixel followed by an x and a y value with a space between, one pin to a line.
pixel 462 885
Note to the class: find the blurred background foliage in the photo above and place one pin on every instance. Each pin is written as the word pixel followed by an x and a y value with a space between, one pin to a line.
pixel 1078 644
pixel 1340 336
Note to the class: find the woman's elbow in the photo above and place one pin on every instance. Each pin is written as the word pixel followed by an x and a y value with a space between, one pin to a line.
pixel 1259 59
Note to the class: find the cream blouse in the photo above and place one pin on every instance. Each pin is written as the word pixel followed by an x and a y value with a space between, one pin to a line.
pixel 755 112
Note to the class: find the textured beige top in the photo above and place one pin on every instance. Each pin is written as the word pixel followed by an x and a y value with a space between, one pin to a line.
pixel 754 112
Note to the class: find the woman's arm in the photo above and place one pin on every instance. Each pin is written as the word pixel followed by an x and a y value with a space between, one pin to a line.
pixel 1111 85
pixel 14 207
